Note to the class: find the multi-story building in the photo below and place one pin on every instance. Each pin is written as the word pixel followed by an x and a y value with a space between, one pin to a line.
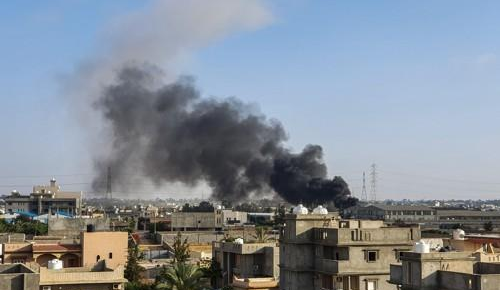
pixel 45 199
pixel 247 266
pixel 322 251
pixel 392 213
pixel 195 221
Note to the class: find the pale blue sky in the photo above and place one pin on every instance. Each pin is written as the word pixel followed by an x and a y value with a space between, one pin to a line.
pixel 412 86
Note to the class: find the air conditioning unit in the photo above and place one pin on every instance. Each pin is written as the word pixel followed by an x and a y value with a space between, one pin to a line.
pixel 117 286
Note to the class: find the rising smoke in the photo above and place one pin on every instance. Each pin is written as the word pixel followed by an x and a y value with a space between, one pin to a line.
pixel 174 135
pixel 149 125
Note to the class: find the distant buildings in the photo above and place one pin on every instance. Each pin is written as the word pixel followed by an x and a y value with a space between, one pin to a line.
pixel 428 216
pixel 322 251
pixel 393 213
pixel 45 199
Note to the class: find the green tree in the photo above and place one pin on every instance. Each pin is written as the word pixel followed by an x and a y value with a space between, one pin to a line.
pixel 181 276
pixel 181 249
pixel 133 269
pixel 261 235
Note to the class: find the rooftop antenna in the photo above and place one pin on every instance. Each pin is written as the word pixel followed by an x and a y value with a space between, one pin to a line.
pixel 109 193
pixel 373 188
pixel 364 195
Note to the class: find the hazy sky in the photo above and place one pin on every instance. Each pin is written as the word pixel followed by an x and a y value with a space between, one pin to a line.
pixel 413 86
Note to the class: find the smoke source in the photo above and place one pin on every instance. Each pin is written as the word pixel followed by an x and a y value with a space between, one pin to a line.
pixel 171 134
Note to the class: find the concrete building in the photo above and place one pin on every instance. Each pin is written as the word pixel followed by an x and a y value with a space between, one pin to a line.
pixel 247 266
pixel 72 227
pixel 43 200
pixel 18 277
pixel 189 221
pixel 465 262
pixel 231 217
pixel 97 277
pixel 109 246
pixel 92 247
pixel 445 271
pixel 322 251
pixel 471 218
pixel 392 213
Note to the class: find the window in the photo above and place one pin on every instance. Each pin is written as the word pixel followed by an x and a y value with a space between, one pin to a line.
pixel 110 255
pixel 326 282
pixel 371 256
pixel 371 285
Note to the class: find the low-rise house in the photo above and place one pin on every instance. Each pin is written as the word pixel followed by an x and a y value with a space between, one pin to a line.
pixel 247 265
pixel 96 277
pixel 91 248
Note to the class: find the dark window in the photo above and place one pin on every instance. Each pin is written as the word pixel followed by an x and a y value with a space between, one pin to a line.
pixel 371 256
pixel 111 255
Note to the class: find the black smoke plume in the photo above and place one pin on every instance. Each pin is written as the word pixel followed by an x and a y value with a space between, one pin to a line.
pixel 168 133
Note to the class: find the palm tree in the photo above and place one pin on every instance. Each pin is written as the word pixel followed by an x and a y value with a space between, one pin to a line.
pixel 261 235
pixel 181 276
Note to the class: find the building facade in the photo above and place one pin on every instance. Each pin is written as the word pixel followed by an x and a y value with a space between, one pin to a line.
pixel 197 221
pixel 45 199
pixel 322 251
pixel 247 266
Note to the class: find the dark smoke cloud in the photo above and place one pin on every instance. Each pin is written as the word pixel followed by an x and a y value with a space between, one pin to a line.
pixel 170 134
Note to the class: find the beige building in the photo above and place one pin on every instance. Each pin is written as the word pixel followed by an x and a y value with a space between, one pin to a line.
pixel 97 277
pixel 195 221
pixel 109 246
pixel 43 200
pixel 247 266
pixel 322 251
pixel 90 249
pixel 467 264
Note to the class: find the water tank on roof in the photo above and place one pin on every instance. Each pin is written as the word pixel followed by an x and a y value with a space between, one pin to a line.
pixel 239 241
pixel 55 264
pixel 320 210
pixel 458 234
pixel 422 247
pixel 300 209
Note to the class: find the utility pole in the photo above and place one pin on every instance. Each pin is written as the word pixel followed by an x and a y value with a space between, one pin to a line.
pixel 364 195
pixel 373 189
pixel 109 193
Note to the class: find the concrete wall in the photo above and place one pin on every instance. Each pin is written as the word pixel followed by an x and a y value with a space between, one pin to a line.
pixel 102 244
pixel 71 227
pixel 18 277
pixel 196 220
